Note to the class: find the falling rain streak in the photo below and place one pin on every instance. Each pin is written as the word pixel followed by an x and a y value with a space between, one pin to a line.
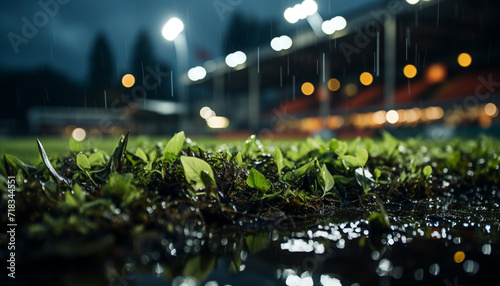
pixel 324 69
pixel 172 83
pixel 258 59
pixel 378 54
pixel 105 100
pixel 281 76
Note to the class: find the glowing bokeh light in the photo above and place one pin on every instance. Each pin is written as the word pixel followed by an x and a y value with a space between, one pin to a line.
pixel 205 112
pixel 172 29
pixel 459 257
pixel 392 116
pixel 350 89
pixel 307 88
pixel 366 78
pixel 379 117
pixel 128 80
pixel 435 73
pixel 197 73
pixel 79 134
pixel 491 109
pixel 218 122
pixel 410 71
pixel 333 84
pixel 464 60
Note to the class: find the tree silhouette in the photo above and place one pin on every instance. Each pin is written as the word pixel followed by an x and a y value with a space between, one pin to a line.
pixel 100 77
pixel 143 56
pixel 245 33
pixel 145 66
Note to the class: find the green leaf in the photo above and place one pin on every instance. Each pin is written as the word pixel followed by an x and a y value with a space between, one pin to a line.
pixel 12 164
pixel 83 162
pixel 121 185
pixel 300 172
pixel 141 154
pixel 376 174
pixel 174 145
pixel 364 178
pixel 325 179
pixel 257 243
pixel 350 161
pixel 390 143
pixel 278 160
pixel 70 200
pixel 237 158
pixel 97 159
pixel 362 156
pixel 193 169
pixel 79 194
pixel 333 145
pixel 199 267
pixel 116 160
pixel 75 146
pixel 258 181
pixel 427 171
pixel 454 158
pixel 341 179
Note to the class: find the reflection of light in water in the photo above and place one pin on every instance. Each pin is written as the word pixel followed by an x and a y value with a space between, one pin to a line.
pixel 486 249
pixel 384 267
pixel 326 280
pixel 434 269
pixel 304 280
pixel 459 256
pixel 419 274
pixel 471 267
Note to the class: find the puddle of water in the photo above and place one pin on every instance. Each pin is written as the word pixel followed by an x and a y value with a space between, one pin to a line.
pixel 424 246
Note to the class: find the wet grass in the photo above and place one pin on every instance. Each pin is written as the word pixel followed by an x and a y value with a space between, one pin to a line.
pixel 82 201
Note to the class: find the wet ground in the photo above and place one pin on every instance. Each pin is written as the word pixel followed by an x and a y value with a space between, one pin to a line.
pixel 426 245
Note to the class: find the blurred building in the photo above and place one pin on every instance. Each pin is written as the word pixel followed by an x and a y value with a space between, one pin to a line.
pixel 406 65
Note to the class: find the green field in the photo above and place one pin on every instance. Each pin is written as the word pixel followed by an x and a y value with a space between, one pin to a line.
pixel 25 148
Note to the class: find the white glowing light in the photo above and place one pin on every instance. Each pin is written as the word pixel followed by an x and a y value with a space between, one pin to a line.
pixel 79 134
pixel 218 122
pixel 310 7
pixel 205 112
pixel 291 15
pixel 301 11
pixel 172 29
pixel 236 58
pixel 412 2
pixel 326 280
pixel 392 116
pixel 197 73
pixel 339 23
pixel 281 43
pixel 335 24
pixel 327 27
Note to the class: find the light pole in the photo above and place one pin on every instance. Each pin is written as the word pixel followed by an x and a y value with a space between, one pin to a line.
pixel 173 31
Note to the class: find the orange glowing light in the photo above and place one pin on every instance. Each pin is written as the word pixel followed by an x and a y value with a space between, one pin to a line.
pixel 459 256
pixel 464 60
pixel 307 88
pixel 333 84
pixel 128 80
pixel 366 78
pixel 436 73
pixel 410 71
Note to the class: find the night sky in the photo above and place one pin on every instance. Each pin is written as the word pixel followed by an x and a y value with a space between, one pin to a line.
pixel 67 28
